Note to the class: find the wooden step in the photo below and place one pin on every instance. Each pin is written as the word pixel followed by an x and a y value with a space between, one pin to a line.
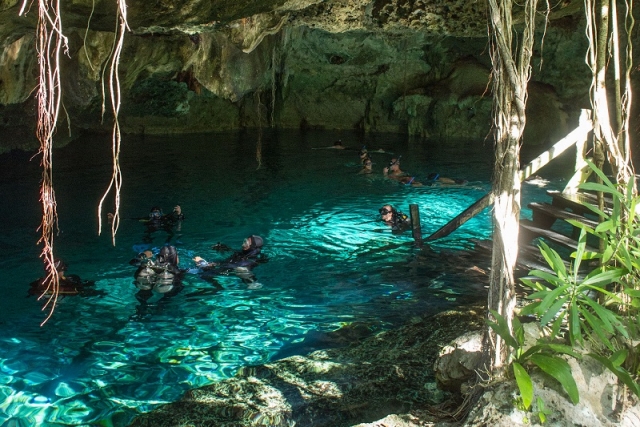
pixel 529 231
pixel 576 201
pixel 544 215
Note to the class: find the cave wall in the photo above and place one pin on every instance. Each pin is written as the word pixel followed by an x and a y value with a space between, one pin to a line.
pixel 415 67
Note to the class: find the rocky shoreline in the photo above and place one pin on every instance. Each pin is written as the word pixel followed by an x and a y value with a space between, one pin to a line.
pixel 388 373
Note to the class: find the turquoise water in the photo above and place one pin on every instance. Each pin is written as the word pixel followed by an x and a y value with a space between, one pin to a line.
pixel 101 360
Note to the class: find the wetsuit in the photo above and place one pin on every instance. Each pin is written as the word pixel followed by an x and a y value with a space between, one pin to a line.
pixel 157 221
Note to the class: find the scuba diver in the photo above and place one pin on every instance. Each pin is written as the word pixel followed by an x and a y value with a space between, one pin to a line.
pixel 156 220
pixel 159 221
pixel 241 263
pixel 398 221
pixel 161 275
pixel 68 284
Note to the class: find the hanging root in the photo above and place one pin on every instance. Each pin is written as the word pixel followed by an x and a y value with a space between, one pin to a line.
pixel 114 90
pixel 50 43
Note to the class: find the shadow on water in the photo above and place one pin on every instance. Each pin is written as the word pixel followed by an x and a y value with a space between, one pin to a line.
pixel 335 273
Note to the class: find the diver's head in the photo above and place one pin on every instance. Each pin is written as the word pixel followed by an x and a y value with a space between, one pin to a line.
pixel 367 163
pixel 168 255
pixel 252 242
pixel 155 213
pixel 394 164
pixel 387 213
pixel 364 153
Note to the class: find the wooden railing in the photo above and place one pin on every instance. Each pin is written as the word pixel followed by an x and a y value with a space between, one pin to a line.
pixel 577 137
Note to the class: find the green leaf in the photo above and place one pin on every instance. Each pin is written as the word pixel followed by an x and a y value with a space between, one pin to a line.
pixel 553 310
pixel 607 317
pixel 604 226
pixel 622 374
pixel 618 358
pixel 502 329
pixel 575 332
pixel 561 371
pixel 553 259
pixel 525 385
pixel 551 279
pixel 597 327
pixel 632 292
pixel 594 186
pixel 598 278
pixel 551 299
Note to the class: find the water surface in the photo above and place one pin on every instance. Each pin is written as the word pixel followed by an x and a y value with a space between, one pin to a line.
pixel 104 359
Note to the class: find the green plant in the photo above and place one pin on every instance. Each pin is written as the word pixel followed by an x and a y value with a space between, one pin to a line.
pixel 543 354
pixel 571 305
pixel 603 303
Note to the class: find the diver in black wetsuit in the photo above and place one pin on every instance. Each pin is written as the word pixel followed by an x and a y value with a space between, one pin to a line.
pixel 398 221
pixel 70 284
pixel 161 275
pixel 241 263
pixel 156 221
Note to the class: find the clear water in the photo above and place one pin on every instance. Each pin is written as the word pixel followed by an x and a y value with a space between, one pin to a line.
pixel 104 359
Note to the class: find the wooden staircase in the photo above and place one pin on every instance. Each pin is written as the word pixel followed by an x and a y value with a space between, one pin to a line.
pixel 548 225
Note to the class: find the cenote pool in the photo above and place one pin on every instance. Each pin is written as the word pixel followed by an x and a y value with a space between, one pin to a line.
pixel 101 360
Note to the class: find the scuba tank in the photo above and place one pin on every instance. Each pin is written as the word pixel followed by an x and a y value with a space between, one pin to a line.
pixel 164 282
pixel 145 278
pixel 159 279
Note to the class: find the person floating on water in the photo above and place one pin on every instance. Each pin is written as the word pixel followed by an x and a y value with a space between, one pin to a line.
pixel 160 274
pixel 337 145
pixel 70 284
pixel 393 171
pixel 435 178
pixel 398 221
pixel 241 263
pixel 367 167
pixel 156 220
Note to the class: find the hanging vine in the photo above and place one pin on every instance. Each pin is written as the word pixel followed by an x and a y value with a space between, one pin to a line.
pixel 50 43
pixel 511 61
pixel 115 95
pixel 603 44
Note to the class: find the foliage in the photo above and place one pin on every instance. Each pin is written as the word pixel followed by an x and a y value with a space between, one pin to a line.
pixel 577 302
pixel 544 355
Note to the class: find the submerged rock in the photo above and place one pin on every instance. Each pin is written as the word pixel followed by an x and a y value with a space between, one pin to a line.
pixel 388 373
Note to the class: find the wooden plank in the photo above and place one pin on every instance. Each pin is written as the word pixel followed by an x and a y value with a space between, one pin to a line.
pixel 577 135
pixel 465 216
pixel 528 230
pixel 544 215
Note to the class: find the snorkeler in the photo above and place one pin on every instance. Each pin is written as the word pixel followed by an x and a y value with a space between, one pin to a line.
pixel 435 178
pixel 68 284
pixel 367 167
pixel 241 262
pixel 393 171
pixel 397 220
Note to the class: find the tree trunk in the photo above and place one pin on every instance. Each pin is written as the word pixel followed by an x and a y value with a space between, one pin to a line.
pixel 511 72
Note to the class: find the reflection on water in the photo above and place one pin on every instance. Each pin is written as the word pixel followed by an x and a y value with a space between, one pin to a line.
pixel 331 263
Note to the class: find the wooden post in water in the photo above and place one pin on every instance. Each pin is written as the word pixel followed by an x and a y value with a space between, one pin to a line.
pixel 414 212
